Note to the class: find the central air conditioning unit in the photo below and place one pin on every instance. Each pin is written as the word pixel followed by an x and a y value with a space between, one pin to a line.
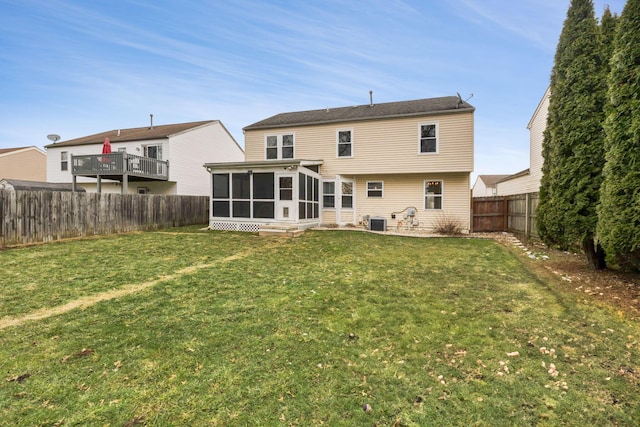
pixel 377 223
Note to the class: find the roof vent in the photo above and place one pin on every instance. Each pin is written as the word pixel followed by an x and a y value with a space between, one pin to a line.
pixel 370 98
pixel 151 124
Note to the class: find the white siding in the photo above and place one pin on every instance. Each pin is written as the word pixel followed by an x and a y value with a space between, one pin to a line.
pixel 481 190
pixel 519 185
pixel 530 183
pixel 190 150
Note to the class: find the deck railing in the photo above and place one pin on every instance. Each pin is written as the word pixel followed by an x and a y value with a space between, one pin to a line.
pixel 120 163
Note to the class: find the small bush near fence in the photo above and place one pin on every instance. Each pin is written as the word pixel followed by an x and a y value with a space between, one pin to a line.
pixel 42 216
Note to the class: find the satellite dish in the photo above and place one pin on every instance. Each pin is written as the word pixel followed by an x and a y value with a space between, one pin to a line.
pixel 53 137
pixel 459 100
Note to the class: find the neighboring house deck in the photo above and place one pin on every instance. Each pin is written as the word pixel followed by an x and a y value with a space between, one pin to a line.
pixel 160 159
pixel 389 165
pixel 24 163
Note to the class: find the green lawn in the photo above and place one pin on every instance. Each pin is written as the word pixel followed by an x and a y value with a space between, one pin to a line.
pixel 214 328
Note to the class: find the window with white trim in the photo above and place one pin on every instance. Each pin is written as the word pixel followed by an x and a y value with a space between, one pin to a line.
pixel 279 147
pixel 428 138
pixel 153 151
pixel 329 194
pixel 347 195
pixel 374 189
pixel 344 143
pixel 433 195
pixel 64 161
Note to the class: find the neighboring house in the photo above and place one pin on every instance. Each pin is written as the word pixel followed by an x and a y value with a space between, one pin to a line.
pixel 21 185
pixel 397 164
pixel 27 163
pixel 164 159
pixel 485 185
pixel 528 180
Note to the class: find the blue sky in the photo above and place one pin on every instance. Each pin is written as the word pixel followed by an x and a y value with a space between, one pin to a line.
pixel 75 68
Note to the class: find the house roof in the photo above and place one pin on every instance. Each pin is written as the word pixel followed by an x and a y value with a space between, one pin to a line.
pixel 9 150
pixel 19 184
pixel 4 151
pixel 516 175
pixel 491 180
pixel 133 134
pixel 263 164
pixel 388 110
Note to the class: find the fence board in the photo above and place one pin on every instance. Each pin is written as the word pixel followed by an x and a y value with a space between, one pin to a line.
pixel 516 213
pixel 43 216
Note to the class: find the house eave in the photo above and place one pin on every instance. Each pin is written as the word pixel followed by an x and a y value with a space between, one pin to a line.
pixel 263 164
pixel 360 119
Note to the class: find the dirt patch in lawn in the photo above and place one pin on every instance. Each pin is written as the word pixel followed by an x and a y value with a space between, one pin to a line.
pixel 89 300
pixel 572 273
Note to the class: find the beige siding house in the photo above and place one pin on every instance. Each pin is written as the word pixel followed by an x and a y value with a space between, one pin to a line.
pixel 528 180
pixel 156 159
pixel 23 163
pixel 390 165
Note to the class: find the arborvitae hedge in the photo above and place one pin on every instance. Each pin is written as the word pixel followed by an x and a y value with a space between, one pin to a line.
pixel 619 210
pixel 573 147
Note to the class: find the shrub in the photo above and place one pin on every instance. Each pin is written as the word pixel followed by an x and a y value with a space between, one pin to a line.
pixel 447 224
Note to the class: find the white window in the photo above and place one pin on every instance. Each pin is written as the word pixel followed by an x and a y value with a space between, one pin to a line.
pixel 153 151
pixel 328 194
pixel 374 189
pixel 344 143
pixel 347 195
pixel 64 161
pixel 279 147
pixel 428 138
pixel 433 195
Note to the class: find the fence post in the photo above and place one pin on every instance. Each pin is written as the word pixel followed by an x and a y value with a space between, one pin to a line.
pixel 527 225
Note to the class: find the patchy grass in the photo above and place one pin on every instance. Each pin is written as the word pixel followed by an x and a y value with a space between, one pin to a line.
pixel 239 330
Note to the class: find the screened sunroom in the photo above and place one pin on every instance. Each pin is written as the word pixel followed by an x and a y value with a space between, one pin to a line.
pixel 246 195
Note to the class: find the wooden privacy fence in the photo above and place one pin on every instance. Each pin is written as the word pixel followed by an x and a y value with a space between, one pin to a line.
pixel 43 216
pixel 516 214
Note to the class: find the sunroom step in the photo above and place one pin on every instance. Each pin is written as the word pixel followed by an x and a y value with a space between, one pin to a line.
pixel 280 230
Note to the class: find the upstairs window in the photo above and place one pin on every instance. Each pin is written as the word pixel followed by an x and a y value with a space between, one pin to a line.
pixel 153 151
pixel 345 143
pixel 279 147
pixel 433 195
pixel 374 189
pixel 428 138
pixel 64 161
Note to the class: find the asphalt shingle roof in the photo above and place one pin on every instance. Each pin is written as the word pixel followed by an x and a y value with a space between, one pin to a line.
pixel 133 134
pixel 418 107
pixel 491 180
pixel 9 150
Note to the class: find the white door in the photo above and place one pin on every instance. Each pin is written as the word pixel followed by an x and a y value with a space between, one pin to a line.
pixel 285 205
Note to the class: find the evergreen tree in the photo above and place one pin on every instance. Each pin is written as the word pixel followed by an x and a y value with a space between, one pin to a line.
pixel 608 24
pixel 619 210
pixel 573 146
